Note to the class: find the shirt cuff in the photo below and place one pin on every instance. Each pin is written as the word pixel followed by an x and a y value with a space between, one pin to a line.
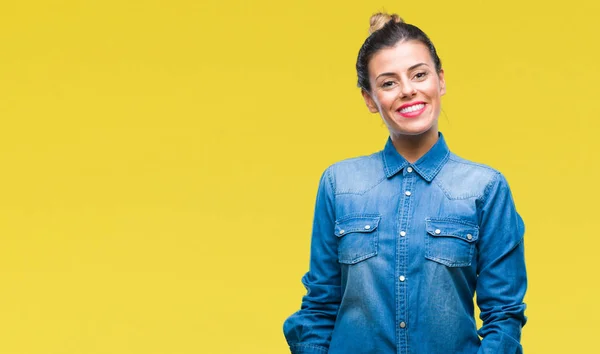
pixel 308 349
pixel 505 345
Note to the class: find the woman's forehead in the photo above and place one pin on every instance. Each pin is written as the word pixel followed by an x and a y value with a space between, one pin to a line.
pixel 401 56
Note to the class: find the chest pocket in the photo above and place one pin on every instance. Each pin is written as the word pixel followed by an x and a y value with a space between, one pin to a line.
pixel 358 237
pixel 450 241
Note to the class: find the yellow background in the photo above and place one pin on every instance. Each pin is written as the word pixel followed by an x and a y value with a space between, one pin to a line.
pixel 160 160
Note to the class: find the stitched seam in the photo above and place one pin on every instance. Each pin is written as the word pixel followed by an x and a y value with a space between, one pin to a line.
pixel 359 216
pixel 454 220
pixel 447 193
pixel 488 188
pixel 458 159
pixel 389 173
pixel 355 231
pixel 440 165
pixel 330 180
pixel 460 237
pixel 449 262
pixel 332 186
pixel 386 169
pixel 365 191
pixel 357 259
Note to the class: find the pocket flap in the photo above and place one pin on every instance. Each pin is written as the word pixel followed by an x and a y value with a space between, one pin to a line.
pixel 361 223
pixel 452 228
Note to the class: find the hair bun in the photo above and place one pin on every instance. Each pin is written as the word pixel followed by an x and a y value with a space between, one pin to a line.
pixel 379 20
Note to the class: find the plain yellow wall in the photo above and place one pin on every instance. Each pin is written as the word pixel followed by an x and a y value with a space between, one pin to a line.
pixel 159 160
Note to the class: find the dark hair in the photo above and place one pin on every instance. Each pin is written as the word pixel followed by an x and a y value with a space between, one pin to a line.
pixel 387 30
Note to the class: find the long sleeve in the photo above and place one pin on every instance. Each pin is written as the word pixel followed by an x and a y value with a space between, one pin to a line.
pixel 309 330
pixel 502 279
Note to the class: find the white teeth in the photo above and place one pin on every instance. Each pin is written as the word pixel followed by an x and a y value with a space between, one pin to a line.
pixel 412 108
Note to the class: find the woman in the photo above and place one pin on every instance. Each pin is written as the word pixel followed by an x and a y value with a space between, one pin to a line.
pixel 403 238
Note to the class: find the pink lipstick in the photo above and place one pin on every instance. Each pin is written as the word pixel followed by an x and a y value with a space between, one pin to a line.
pixel 411 110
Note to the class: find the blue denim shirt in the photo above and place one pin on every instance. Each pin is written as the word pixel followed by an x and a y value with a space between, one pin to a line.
pixel 398 251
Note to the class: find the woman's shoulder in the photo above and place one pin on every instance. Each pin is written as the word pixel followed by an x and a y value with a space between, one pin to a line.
pixel 470 165
pixel 357 174
pixel 463 178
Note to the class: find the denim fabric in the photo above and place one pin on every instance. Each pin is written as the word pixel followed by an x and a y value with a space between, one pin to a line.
pixel 398 251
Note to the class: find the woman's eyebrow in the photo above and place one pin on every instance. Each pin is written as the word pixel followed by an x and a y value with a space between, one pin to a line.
pixel 385 74
pixel 393 74
pixel 416 66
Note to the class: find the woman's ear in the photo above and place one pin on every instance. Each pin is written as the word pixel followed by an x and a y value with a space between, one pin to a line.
pixel 442 82
pixel 369 101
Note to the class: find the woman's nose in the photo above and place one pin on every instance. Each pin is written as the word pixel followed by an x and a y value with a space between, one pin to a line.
pixel 408 90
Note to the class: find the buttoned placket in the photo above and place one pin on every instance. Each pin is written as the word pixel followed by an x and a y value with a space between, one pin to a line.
pixel 402 283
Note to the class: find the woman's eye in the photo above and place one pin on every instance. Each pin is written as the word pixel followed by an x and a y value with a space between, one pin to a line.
pixel 420 75
pixel 388 84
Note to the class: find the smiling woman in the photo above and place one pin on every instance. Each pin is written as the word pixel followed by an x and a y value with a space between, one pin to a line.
pixel 406 91
pixel 404 238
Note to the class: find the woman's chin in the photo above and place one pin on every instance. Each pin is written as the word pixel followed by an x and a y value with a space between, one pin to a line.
pixel 412 129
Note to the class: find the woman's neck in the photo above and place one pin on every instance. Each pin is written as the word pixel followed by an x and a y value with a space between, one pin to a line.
pixel 413 147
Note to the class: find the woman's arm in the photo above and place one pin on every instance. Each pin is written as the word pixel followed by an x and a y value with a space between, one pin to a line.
pixel 309 330
pixel 502 279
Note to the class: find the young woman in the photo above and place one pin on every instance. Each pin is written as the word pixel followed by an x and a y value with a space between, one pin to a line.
pixel 404 238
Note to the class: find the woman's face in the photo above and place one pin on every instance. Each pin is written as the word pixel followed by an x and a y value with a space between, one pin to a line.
pixel 405 89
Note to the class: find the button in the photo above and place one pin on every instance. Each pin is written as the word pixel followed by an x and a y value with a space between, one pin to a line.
pixel 469 237
pixel 402 325
pixel 402 233
pixel 367 227
pixel 407 192
pixel 437 231
pixel 342 232
pixel 402 278
pixel 409 169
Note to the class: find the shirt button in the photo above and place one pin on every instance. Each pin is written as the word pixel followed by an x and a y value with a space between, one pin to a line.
pixel 342 232
pixel 437 231
pixel 469 236
pixel 409 169
pixel 402 278
pixel 402 233
pixel 402 325
pixel 407 192
pixel 367 227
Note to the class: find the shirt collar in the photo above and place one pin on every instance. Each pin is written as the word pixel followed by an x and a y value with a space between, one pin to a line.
pixel 427 166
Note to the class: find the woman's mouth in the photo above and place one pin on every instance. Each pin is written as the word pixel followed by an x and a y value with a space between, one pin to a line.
pixel 411 110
